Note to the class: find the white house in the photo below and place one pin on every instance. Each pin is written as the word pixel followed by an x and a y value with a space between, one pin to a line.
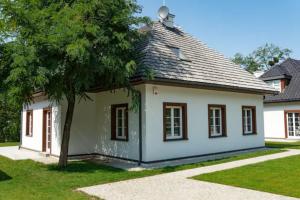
pixel 282 111
pixel 198 103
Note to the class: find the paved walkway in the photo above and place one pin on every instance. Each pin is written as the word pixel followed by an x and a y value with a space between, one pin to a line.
pixel 176 185
pixel 15 153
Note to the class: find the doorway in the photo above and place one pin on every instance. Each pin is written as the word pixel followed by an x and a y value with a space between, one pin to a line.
pixel 47 130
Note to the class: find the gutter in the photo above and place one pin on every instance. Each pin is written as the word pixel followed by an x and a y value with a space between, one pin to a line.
pixel 192 84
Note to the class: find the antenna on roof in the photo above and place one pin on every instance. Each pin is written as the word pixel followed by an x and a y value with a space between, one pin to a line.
pixel 165 17
pixel 163 13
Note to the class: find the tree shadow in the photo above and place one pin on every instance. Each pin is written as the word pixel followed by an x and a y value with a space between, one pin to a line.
pixel 84 167
pixel 283 145
pixel 4 176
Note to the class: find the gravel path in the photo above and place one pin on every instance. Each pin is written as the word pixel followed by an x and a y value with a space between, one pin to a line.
pixel 177 185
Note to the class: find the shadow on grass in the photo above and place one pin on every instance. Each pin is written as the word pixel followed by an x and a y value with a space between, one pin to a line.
pixel 4 176
pixel 283 145
pixel 83 166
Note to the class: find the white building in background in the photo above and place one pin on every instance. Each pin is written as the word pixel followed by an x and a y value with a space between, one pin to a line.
pixel 282 111
pixel 198 103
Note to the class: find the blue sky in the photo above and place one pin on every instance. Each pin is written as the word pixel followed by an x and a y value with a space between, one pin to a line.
pixel 232 26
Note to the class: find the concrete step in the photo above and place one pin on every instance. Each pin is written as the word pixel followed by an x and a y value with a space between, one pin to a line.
pixel 44 154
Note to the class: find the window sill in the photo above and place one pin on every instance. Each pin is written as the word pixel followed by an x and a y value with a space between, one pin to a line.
pixel 248 134
pixel 177 139
pixel 219 136
pixel 30 136
pixel 119 139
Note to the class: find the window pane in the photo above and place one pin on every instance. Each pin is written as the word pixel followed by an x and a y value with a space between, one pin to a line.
pixel 218 121
pixel 168 112
pixel 177 122
pixel 168 131
pixel 211 113
pixel 217 113
pixel 218 129
pixel 249 121
pixel 119 113
pixel 297 124
pixel 212 129
pixel 120 122
pixel 249 113
pixel 177 131
pixel 120 131
pixel 211 121
pixel 176 112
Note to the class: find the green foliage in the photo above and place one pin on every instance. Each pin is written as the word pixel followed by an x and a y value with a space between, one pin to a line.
pixel 9 110
pixel 64 48
pixel 9 120
pixel 262 58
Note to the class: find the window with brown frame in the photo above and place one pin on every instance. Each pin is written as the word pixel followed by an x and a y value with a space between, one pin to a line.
pixel 119 122
pixel 175 121
pixel 249 120
pixel 217 121
pixel 29 123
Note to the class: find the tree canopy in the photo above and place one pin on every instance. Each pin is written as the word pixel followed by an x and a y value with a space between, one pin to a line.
pixel 262 58
pixel 65 47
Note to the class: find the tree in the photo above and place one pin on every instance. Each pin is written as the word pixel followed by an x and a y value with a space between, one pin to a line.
pixel 65 47
pixel 9 112
pixel 262 58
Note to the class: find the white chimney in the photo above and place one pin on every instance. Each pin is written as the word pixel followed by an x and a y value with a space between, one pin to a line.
pixel 169 21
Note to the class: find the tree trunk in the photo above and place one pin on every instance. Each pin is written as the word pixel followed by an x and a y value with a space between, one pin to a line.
pixel 63 158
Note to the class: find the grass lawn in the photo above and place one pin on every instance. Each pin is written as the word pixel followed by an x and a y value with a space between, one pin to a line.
pixel 283 145
pixel 30 180
pixel 279 176
pixel 7 144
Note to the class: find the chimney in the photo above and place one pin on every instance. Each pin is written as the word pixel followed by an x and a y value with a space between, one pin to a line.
pixel 169 21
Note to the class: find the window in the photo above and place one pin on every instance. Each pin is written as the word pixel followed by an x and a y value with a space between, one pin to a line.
pixel 249 120
pixel 29 123
pixel 275 84
pixel 179 54
pixel 119 122
pixel 217 120
pixel 175 121
pixel 293 123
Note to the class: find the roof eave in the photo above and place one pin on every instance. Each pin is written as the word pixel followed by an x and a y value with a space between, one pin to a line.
pixel 202 85
pixel 281 101
pixel 276 77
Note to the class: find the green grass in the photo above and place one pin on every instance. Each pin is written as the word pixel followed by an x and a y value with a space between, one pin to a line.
pixel 280 176
pixel 283 145
pixel 30 180
pixel 7 144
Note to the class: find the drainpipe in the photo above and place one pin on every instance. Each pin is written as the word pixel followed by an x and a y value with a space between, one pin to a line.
pixel 21 125
pixel 140 130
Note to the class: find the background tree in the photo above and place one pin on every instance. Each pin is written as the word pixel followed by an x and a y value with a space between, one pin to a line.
pixel 65 47
pixel 9 112
pixel 262 58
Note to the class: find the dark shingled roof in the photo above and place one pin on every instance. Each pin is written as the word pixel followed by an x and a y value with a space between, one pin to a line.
pixel 204 66
pixel 286 69
pixel 289 69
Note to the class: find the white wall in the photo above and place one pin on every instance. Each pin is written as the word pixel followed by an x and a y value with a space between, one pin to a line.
pixel 91 127
pixel 274 118
pixel 197 109
pixel 90 131
pixel 35 142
